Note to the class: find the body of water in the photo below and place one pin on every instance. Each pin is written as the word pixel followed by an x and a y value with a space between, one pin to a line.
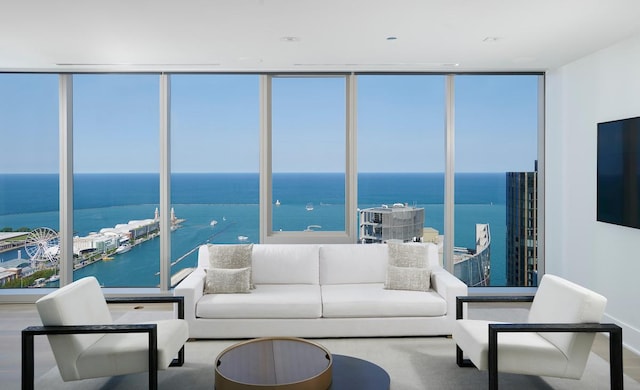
pixel 104 200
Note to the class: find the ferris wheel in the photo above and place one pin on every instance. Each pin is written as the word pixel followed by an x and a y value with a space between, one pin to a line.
pixel 43 247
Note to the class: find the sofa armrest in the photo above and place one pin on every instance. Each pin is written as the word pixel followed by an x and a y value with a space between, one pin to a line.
pixel 449 287
pixel 192 289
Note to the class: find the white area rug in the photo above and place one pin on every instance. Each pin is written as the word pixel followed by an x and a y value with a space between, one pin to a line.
pixel 412 363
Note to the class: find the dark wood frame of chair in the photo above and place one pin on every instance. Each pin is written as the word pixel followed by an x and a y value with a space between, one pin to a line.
pixel 152 329
pixel 615 337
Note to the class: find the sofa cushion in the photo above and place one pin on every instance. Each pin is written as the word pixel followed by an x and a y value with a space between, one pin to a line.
pixel 225 281
pixel 265 301
pixel 285 264
pixel 407 278
pixel 353 263
pixel 372 300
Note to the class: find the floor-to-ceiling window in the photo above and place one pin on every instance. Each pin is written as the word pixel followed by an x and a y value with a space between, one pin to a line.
pixel 29 176
pixel 400 157
pixel 306 166
pixel 496 133
pixel 227 134
pixel 214 163
pixel 116 178
pixel 308 153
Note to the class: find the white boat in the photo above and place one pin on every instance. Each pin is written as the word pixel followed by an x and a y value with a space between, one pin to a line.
pixel 124 248
pixel 243 238
pixel 277 202
pixel 309 206
pixel 312 228
pixel 213 222
pixel 40 282
pixel 54 278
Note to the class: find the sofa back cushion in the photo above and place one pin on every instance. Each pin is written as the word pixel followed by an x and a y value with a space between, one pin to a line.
pixel 285 264
pixel 361 263
pixel 353 263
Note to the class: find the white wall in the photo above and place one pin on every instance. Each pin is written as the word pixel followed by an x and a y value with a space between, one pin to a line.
pixel 606 258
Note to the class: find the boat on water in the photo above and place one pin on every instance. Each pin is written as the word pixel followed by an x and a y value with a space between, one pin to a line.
pixel 312 228
pixel 277 202
pixel 309 206
pixel 213 222
pixel 124 248
pixel 54 278
pixel 243 238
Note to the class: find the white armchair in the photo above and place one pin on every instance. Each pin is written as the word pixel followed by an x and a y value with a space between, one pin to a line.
pixel 556 340
pixel 87 344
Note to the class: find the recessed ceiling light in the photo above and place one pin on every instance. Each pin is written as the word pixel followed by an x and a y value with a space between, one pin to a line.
pixel 290 39
pixel 391 38
pixel 491 39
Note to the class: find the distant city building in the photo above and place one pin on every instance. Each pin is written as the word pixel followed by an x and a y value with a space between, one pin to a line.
pixel 430 234
pixel 473 265
pixel 522 228
pixel 399 222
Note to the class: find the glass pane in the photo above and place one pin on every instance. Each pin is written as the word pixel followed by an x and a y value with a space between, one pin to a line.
pixel 215 169
pixel 29 177
pixel 401 158
pixel 308 153
pixel 116 179
pixel 496 133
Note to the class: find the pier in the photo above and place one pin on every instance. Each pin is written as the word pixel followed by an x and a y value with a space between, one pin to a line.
pixel 106 244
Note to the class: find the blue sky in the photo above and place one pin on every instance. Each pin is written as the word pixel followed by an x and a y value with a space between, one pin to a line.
pixel 215 123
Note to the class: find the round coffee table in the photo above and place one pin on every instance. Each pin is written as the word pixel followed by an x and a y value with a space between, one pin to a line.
pixel 353 373
pixel 274 363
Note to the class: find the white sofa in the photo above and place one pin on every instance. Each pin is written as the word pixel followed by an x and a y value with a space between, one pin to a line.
pixel 327 290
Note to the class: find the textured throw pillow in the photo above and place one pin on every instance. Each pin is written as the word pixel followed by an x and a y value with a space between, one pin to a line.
pixel 407 255
pixel 231 257
pixel 407 278
pixel 227 280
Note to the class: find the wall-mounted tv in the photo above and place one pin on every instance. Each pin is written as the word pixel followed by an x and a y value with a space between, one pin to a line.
pixel 619 172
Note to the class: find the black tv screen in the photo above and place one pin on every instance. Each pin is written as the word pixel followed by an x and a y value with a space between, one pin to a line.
pixel 619 172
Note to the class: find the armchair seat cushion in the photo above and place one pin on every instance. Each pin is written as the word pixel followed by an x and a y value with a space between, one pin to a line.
pixel 126 353
pixel 520 353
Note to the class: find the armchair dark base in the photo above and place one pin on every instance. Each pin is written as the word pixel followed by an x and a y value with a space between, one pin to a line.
pixel 615 338
pixel 30 332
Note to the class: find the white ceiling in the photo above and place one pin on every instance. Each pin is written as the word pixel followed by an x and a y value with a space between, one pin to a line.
pixel 308 35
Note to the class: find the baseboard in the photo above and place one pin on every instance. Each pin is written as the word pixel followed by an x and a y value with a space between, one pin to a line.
pixel 630 334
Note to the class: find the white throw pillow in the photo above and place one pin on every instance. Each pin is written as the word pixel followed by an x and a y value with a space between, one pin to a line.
pixel 408 278
pixel 227 280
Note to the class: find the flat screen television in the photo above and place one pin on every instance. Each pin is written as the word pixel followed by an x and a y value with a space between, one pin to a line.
pixel 618 185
